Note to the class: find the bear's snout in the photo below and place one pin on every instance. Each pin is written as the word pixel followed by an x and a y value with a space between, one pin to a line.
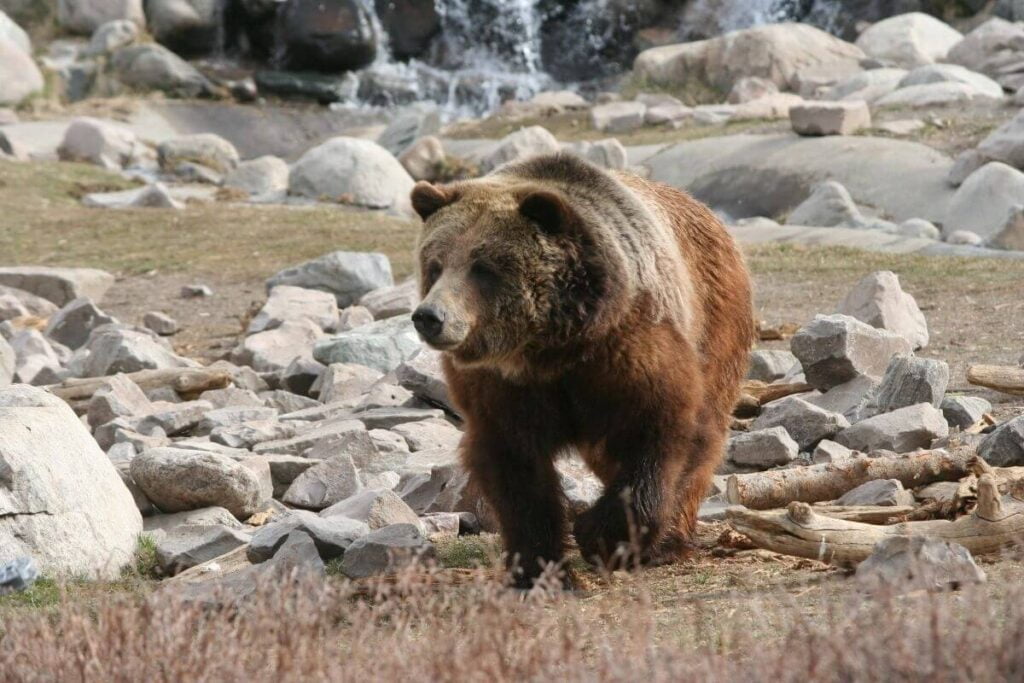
pixel 428 320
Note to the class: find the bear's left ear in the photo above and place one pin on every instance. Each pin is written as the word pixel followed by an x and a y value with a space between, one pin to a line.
pixel 549 210
pixel 428 199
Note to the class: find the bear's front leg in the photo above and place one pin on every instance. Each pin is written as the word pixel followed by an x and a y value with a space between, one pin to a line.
pixel 517 476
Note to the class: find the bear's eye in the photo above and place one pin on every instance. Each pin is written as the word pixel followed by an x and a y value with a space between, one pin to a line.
pixel 433 273
pixel 485 276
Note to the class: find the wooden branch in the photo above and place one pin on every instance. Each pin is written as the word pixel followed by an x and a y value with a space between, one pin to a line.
pixel 766 332
pixel 869 514
pixel 754 394
pixel 187 382
pixel 778 488
pixel 1004 378
pixel 995 524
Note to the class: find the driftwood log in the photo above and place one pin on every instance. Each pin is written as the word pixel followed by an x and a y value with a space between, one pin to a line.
pixel 1004 378
pixel 997 522
pixel 754 394
pixel 869 514
pixel 778 488
pixel 187 382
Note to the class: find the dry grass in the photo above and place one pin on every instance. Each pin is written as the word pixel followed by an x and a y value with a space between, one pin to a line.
pixel 422 627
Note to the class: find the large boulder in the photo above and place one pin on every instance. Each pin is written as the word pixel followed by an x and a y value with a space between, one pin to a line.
pixel 522 144
pixel 72 324
pixel 348 275
pixel 805 423
pixel 176 479
pixel 1005 144
pixel 58 285
pixel 983 205
pixel 326 35
pixel 879 300
pixel 776 52
pixel 930 95
pixel 909 40
pixel 263 178
pixel 901 564
pixel 835 349
pixel 154 67
pixel 189 27
pixel 988 47
pixel 287 303
pixel 85 16
pixel 829 205
pixel 1004 447
pixel 273 350
pixel 112 36
pixel 900 431
pixel 8 363
pixel 99 142
pixel 111 349
pixel 866 86
pixel 382 345
pixel 409 24
pixel 769 175
pixel 9 30
pixel 353 171
pixel 952 73
pixel 19 76
pixel 61 500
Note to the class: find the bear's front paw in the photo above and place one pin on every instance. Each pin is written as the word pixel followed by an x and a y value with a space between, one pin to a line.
pixel 603 535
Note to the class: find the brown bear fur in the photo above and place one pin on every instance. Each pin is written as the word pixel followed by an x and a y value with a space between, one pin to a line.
pixel 577 308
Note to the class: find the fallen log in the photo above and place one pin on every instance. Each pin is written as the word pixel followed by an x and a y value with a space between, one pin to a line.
pixel 778 488
pixel 754 394
pixel 996 523
pixel 187 382
pixel 869 514
pixel 1004 378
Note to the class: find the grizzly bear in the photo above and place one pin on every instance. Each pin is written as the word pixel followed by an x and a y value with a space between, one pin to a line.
pixel 579 308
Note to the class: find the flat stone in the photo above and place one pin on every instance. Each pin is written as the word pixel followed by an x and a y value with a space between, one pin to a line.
pixel 202 517
pixel 827 452
pixel 348 275
pixel 275 349
pixel 386 550
pixel 388 302
pixel 829 118
pixel 763 448
pixel 377 508
pixel 837 348
pixel 618 117
pixel 344 434
pixel 232 397
pixel 342 381
pixel 428 434
pixel 161 323
pixel 118 397
pixel 58 285
pixel 900 431
pixel 884 492
pixel 186 546
pixel 113 349
pixel 288 303
pixel 806 423
pixel 850 399
pixel 382 345
pixel 908 563
pixel 37 360
pixel 331 536
pixel 233 416
pixel 324 484
pixel 389 418
pixel 422 375
pixel 384 395
pixel 252 432
pixel 768 365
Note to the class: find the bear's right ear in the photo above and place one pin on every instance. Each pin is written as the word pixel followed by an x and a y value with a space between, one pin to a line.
pixel 428 199
pixel 547 209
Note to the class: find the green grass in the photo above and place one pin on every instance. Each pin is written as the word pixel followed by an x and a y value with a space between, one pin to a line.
pixel 43 222
pixel 469 552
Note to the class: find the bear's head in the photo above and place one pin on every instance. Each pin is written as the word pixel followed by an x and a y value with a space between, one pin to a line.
pixel 510 271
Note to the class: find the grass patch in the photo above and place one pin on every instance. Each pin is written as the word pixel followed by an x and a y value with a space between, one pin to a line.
pixel 469 552
pixel 43 222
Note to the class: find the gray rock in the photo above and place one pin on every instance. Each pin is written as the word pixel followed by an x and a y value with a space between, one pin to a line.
pixel 981 48
pixel 910 380
pixel 388 302
pixel 351 170
pixel 353 317
pixel 11 307
pixel 751 88
pixel 907 563
pixel 901 431
pixel 118 397
pixel 301 375
pixel 885 492
pixel 964 238
pixel 252 432
pixel 766 365
pixel 85 16
pixel 983 205
pixel 386 550
pixel 831 452
pixel 522 144
pixel 346 274
pixel 287 303
pixel 17 575
pixel 177 480
pixel 8 363
pixel 1005 144
pixel 346 436
pixel 830 118
pixel 964 411
pixel 331 536
pixel 837 348
pixel 233 416
pixel 850 399
pixel 99 142
pixel 879 300
pixel 763 448
pixel 287 402
pixel 174 419
pixel 429 434
pixel 112 349
pixel 58 285
pixel 37 361
pixel 422 375
pixel 64 503
pixel 154 67
pixel 275 349
pixel 806 423
pixel 382 345
pixel 953 73
pixel 325 484
pixel 263 178
pixel 919 227
pixel 389 418
pixel 195 291
pixel 829 205
pixel 608 153
pixel 1004 447
pixel 201 517
pixel 20 78
pixel 72 324
pixel 9 30
pixel 202 149
pixel 111 36
pixel 440 525
pixel 186 546
pixel 866 86
pixel 160 323
pixel 377 508
pixel 930 95
pixel 410 125
pixel 384 395
pixel 424 159
pixel 618 117
pixel 233 397
pixel 909 40
pixel 343 381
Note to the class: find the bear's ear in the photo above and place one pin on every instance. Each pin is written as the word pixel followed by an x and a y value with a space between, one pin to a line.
pixel 428 199
pixel 549 210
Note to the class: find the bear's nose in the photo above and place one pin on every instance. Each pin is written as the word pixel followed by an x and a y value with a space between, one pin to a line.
pixel 428 320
